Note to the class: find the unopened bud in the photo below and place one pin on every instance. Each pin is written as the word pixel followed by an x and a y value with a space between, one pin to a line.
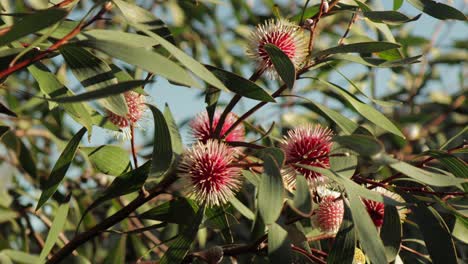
pixel 325 7
pixel 309 22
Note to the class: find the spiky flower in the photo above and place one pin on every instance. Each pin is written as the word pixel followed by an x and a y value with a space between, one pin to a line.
pixel 208 171
pixel 203 131
pixel 376 210
pixel 136 108
pixel 330 214
pixel 307 145
pixel 287 36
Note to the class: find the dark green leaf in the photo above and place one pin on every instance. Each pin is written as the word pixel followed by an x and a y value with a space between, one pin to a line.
pixel 437 9
pixel 180 211
pixel 391 232
pixel 162 147
pixel 365 145
pixel 361 47
pixel 60 168
pixel 117 252
pixel 343 160
pixel 33 23
pixel 221 219
pixel 302 199
pixel 244 210
pixel 5 110
pixel 176 139
pixel 241 86
pixel 389 17
pixel 345 241
pixel 453 164
pixel 111 90
pixel 94 74
pixel 55 229
pixel 179 248
pixel 107 159
pixel 3 130
pixel 21 257
pixel 347 125
pixel 279 246
pixel 271 189
pixel 377 62
pixel 283 65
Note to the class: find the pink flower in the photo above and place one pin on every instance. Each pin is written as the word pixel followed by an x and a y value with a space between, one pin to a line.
pixel 330 214
pixel 210 176
pixel 202 130
pixel 136 107
pixel 376 210
pixel 285 35
pixel 307 145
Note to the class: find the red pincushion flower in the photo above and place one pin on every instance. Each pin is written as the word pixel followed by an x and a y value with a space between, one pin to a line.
pixel 376 211
pixel 209 173
pixel 202 130
pixel 136 107
pixel 307 145
pixel 330 214
pixel 285 35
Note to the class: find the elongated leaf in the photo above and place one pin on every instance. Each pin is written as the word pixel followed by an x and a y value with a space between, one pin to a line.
pixel 176 139
pixel 180 211
pixel 60 168
pixel 271 190
pixel 178 248
pixel 94 74
pixel 244 210
pixel 279 246
pixel 283 65
pixel 377 62
pixel 21 257
pixel 3 130
pixel 365 145
pixel 220 218
pixel 361 47
pixel 33 23
pixel 391 232
pixel 146 59
pixel 397 4
pixel 365 110
pixel 437 9
pixel 5 110
pixel 162 147
pixel 135 40
pixel 389 17
pixel 111 90
pixel 107 159
pixel 366 231
pixel 117 252
pixel 347 125
pixel 345 241
pixel 343 160
pixel 241 86
pixel 56 227
pixel 302 199
pixel 51 86
pixel 23 154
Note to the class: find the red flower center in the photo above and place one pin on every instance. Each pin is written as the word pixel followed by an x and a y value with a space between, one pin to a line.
pixel 283 40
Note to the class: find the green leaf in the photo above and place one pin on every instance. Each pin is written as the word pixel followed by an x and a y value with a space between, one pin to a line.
pixel 220 218
pixel 344 244
pixel 376 62
pixel 143 58
pixel 55 229
pixel 107 159
pixel 279 246
pixel 436 235
pixel 106 92
pixel 346 124
pixel 94 74
pixel 3 130
pixel 361 47
pixel 162 147
pixel 60 168
pixel 431 178
pixel 367 146
pixel 343 160
pixel 438 10
pixel 179 210
pixel 389 17
pixel 176 139
pixel 453 164
pixel 135 40
pixel 365 228
pixel 51 86
pixel 23 154
pixel 190 63
pixel 244 210
pixel 271 189
pixel 365 110
pixel 21 257
pixel 241 86
pixel 32 23
pixel 283 65
pixel 391 232
pixel 117 252
pixel 302 199
pixel 397 4
pixel 5 110
pixel 460 229
pixel 179 248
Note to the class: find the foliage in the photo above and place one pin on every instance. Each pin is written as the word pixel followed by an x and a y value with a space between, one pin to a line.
pixel 386 136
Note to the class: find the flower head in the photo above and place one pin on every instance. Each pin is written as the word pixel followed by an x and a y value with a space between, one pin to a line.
pixel 330 214
pixel 359 257
pixel 376 210
pixel 136 107
pixel 287 36
pixel 203 131
pixel 307 145
pixel 210 176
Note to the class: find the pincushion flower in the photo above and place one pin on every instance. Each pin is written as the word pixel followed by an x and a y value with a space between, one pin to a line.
pixel 208 170
pixel 136 108
pixel 330 212
pixel 376 210
pixel 307 145
pixel 288 37
pixel 203 131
